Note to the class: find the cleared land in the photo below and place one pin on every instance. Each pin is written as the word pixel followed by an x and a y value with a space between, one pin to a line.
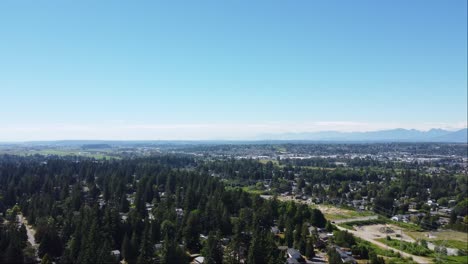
pixel 372 236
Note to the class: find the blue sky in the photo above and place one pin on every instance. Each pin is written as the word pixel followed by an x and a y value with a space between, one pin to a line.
pixel 229 69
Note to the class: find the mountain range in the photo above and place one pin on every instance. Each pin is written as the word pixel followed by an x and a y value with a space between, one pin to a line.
pixel 392 135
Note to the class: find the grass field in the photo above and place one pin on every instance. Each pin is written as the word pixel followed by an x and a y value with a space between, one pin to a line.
pixel 349 225
pixel 455 260
pixel 452 243
pixel 265 161
pixel 411 248
pixel 440 235
pixel 64 152
pixel 251 189
pixel 389 255
pixel 337 213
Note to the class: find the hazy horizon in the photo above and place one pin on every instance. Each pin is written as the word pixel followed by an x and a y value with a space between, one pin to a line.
pixel 229 70
pixel 195 132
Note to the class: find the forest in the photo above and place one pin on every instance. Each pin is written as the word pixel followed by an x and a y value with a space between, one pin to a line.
pixel 175 208
pixel 143 210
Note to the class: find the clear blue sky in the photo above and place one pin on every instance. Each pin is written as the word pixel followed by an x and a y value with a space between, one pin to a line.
pixel 175 65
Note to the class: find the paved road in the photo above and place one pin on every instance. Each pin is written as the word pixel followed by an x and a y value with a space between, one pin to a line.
pixel 365 236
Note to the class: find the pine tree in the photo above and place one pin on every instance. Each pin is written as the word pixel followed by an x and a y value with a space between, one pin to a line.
pixel 310 251
pixel 329 227
pixel 13 253
pixel 333 256
pixel 104 254
pixel 146 247
pixel 23 235
pixel 125 249
pixel 191 231
pixel 212 250
pixel 46 259
pixel 259 250
pixel 289 233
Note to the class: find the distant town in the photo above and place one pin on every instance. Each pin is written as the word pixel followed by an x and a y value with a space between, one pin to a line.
pixel 379 202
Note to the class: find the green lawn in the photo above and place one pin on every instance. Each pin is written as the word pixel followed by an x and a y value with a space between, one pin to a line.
pixel 251 189
pixel 454 259
pixel 265 161
pixel 349 225
pixel 411 248
pixel 65 152
pixel 337 213
pixel 390 256
pixel 452 244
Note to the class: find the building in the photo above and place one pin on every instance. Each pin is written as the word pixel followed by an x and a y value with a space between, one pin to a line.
pixel 199 260
pixel 294 256
pixel 345 256
pixel 116 254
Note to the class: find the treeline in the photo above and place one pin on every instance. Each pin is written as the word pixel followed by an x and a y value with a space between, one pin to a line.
pixel 146 209
pixel 391 191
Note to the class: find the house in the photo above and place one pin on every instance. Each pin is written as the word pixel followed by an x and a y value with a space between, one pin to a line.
pixel 199 260
pixel 275 230
pixel 292 253
pixel 400 218
pixel 158 247
pixel 225 241
pixel 179 212
pixel 291 261
pixel 116 253
pixel 345 256
pixel 445 211
pixel 294 256
pixel 123 216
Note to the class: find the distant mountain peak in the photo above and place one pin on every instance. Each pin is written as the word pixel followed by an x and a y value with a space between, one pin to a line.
pixel 390 135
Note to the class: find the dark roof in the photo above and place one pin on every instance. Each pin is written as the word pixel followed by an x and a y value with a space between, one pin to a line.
pixel 292 261
pixel 345 257
pixel 294 253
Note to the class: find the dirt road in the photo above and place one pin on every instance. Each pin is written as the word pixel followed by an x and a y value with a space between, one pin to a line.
pixel 30 232
pixel 368 237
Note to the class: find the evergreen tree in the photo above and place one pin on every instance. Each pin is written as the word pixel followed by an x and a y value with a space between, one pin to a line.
pixel 46 259
pixel 333 256
pixel 126 248
pixel 212 250
pixel 146 247
pixel 329 227
pixel 192 231
pixel 310 250
pixel 289 233
pixel 13 253
pixel 261 248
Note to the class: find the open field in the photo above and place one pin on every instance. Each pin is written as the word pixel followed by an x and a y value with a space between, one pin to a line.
pixel 336 213
pixel 446 238
pixel 265 161
pixel 373 237
pixel 251 189
pixel 455 260
pixel 375 233
pixel 331 212
pixel 102 154
pixel 408 247
pixel 440 235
